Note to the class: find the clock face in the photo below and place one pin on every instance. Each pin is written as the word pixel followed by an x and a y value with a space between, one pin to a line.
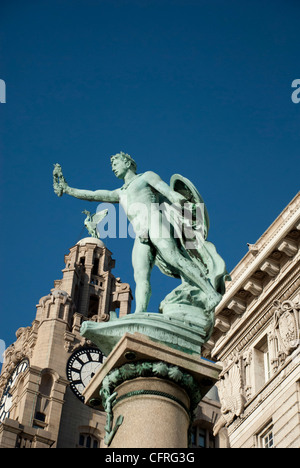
pixel 6 400
pixel 81 368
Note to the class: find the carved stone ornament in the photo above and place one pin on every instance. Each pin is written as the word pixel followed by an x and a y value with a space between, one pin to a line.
pixel 15 353
pixel 286 325
pixel 231 393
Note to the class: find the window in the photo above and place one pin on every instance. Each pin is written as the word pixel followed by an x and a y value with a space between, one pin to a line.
pixel 267 366
pixel 23 442
pixel 268 440
pixel 61 311
pixel 93 306
pixel 266 437
pixel 202 438
pixel 40 416
pixel 88 441
pixel 46 384
pixel 95 268
pixel 262 367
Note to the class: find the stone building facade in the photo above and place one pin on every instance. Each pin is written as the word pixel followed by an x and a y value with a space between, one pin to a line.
pixel 257 341
pixel 47 368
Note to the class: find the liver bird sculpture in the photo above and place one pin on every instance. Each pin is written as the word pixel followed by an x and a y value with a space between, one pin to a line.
pixel 91 221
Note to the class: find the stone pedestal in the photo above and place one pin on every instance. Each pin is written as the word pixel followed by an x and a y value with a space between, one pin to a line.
pixel 155 404
pixel 149 392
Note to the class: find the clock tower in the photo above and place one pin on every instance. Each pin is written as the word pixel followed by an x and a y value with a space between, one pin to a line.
pixel 46 370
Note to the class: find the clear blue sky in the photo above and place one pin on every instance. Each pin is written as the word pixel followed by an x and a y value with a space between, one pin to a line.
pixel 196 87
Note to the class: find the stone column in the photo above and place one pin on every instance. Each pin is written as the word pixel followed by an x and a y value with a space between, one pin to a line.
pixel 149 392
pixel 154 403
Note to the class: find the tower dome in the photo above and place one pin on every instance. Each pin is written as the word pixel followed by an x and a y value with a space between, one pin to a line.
pixel 91 240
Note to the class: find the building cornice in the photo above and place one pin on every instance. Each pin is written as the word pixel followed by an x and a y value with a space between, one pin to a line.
pixel 287 220
pixel 260 277
pixel 258 317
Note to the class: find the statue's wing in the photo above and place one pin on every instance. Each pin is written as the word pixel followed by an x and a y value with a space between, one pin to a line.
pixel 202 252
pixel 97 217
pixel 185 187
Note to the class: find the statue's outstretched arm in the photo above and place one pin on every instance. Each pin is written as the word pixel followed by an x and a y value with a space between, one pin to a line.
pixel 160 186
pixel 110 196
pixel 60 187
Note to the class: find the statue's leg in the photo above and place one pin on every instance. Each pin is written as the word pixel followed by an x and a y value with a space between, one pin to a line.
pixel 142 261
pixel 187 269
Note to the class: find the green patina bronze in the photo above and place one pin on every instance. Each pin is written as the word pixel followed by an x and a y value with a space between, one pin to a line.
pixel 158 212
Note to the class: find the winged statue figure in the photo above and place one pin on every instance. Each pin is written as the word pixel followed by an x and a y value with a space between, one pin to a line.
pixel 164 236
pixel 92 220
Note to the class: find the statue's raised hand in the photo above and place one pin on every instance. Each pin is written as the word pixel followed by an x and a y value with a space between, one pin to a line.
pixel 59 182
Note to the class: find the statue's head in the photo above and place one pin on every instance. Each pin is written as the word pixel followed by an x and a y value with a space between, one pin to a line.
pixel 125 158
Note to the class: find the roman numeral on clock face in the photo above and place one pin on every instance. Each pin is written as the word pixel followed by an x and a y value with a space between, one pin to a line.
pixel 6 400
pixel 81 368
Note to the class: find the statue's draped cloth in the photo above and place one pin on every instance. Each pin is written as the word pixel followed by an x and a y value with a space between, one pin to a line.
pixel 189 225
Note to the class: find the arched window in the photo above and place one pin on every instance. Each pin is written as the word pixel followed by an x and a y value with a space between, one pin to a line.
pixel 95 269
pixel 41 413
pixel 93 306
pixel 46 384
